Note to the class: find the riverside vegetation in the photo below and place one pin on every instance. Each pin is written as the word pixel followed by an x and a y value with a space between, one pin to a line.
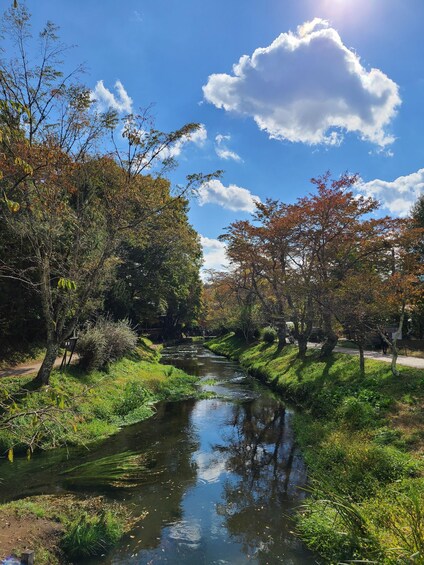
pixel 91 406
pixel 363 442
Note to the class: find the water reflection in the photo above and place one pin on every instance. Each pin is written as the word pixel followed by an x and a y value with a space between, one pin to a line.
pixel 224 475
pixel 266 473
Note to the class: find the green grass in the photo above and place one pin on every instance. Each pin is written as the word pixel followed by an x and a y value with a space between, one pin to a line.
pixel 84 526
pixel 98 404
pixel 92 535
pixel 363 442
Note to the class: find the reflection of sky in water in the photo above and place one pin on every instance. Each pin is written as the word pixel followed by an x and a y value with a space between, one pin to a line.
pixel 241 479
pixel 209 466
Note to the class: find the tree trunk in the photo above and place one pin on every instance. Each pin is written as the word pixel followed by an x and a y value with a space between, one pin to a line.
pixel 361 359
pixel 281 334
pixel 302 342
pixel 396 337
pixel 395 354
pixel 330 337
pixel 43 375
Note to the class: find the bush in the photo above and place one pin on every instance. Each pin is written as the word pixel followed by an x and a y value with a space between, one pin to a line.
pixel 91 348
pixel 269 335
pixel 135 395
pixel 91 535
pixel 106 341
pixel 120 339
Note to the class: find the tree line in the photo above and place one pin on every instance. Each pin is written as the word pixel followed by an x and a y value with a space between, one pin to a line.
pixel 88 221
pixel 329 261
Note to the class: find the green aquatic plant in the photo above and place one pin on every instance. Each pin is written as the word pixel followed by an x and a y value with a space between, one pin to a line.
pixel 121 470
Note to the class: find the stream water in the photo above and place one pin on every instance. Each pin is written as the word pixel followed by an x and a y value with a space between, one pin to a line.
pixel 223 477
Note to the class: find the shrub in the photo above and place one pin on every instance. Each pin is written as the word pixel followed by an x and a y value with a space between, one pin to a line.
pixel 269 335
pixel 397 517
pixel 91 348
pixel 135 395
pixel 103 342
pixel 356 468
pixel 91 535
pixel 120 338
pixel 329 527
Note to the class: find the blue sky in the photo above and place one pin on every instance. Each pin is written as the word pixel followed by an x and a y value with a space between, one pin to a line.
pixel 323 85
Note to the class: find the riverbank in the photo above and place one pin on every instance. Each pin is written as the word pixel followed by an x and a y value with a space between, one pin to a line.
pixel 90 407
pixel 87 409
pixel 363 442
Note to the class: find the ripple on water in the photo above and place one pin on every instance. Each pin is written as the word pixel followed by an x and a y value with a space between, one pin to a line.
pixel 187 532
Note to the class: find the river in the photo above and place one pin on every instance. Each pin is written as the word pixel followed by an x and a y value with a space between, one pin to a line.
pixel 222 479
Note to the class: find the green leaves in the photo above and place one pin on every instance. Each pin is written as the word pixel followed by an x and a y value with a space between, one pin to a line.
pixel 11 204
pixel 66 284
pixel 19 162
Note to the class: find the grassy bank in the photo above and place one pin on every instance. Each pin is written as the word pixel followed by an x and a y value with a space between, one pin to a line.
pixel 363 441
pixel 96 405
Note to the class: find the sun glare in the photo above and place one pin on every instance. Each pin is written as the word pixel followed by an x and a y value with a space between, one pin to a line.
pixel 345 11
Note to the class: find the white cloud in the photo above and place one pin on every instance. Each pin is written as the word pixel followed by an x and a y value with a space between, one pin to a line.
pixel 214 254
pixel 198 137
pixel 397 196
pixel 138 16
pixel 308 87
pixel 231 197
pixel 106 99
pixel 222 150
pixel 210 467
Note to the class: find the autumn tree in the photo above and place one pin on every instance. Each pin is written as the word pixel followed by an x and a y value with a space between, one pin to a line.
pixel 71 206
pixel 358 309
pixel 417 217
pixel 401 283
pixel 337 229
pixel 257 251
pixel 221 308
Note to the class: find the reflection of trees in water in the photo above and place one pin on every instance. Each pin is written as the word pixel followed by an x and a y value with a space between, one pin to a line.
pixel 262 456
pixel 173 442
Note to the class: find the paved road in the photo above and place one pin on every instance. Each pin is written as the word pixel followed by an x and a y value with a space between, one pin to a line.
pixel 415 362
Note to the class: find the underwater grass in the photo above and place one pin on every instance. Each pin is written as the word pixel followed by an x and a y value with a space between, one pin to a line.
pixel 121 470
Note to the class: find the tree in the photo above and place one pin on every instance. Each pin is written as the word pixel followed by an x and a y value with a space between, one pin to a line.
pixel 71 206
pixel 157 283
pixel 381 286
pixel 401 287
pixel 259 255
pixel 220 303
pixel 338 237
pixel 358 309
pixel 417 313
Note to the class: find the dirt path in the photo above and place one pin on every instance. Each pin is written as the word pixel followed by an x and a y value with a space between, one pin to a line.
pixel 30 368
pixel 414 362
pixel 18 533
